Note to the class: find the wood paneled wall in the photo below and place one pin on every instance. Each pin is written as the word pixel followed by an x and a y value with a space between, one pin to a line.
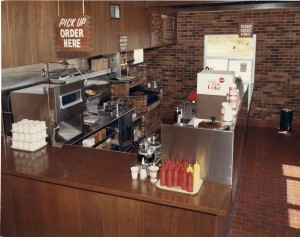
pixel 28 29
pixel 33 208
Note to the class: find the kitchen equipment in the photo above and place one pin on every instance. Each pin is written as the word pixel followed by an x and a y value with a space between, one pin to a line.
pixel 95 95
pixel 213 124
pixel 61 106
pixel 112 107
pixel 154 144
pixel 145 152
pixel 152 96
pixel 177 114
pixel 189 109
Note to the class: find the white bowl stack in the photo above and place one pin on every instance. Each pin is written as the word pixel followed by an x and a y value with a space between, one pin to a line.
pixel 29 135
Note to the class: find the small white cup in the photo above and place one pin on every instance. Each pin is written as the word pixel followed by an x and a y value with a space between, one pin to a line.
pixel 20 127
pixel 134 172
pixel 153 170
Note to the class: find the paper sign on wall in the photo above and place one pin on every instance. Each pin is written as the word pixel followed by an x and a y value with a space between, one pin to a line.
pixel 214 82
pixel 246 30
pixel 73 33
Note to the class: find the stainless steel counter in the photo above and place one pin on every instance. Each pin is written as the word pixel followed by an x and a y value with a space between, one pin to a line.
pixel 219 152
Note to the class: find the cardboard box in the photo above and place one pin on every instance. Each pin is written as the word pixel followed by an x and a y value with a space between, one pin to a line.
pixel 98 136
pixel 99 64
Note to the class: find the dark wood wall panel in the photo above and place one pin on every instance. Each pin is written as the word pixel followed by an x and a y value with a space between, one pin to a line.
pixel 178 222
pixel 30 39
pixel 130 217
pixel 33 208
pixel 69 211
pixel 154 220
pixel 5 44
pixel 48 195
pixel 111 213
pixel 19 33
pixel 36 31
pixel 49 10
pixel 91 213
pixel 92 9
pixel 7 224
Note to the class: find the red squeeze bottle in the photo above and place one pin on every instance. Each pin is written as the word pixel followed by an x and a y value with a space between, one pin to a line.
pixel 182 171
pixel 190 182
pixel 176 177
pixel 179 176
pixel 163 176
pixel 169 178
pixel 184 180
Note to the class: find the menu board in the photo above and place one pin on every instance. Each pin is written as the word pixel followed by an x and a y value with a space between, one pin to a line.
pixel 156 30
pixel 168 33
pixel 123 43
pixel 162 30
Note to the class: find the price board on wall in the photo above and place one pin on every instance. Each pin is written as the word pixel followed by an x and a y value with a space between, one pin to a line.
pixel 123 43
pixel 73 33
pixel 162 30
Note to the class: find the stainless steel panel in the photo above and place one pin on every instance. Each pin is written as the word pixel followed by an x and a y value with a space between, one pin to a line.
pixel 213 149
pixel 189 109
pixel 59 114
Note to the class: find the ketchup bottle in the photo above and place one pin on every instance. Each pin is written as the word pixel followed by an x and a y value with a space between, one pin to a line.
pixel 176 177
pixel 190 182
pixel 169 177
pixel 184 179
pixel 163 176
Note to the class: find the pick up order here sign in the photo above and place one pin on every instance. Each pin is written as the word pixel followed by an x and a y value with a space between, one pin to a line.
pixel 73 33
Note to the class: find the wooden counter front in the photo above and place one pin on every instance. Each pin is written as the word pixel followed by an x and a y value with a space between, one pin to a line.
pixel 77 191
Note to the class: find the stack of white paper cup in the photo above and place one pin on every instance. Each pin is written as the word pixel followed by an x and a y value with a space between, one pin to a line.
pixel 224 104
pixel 233 96
pixel 228 115
pixel 29 135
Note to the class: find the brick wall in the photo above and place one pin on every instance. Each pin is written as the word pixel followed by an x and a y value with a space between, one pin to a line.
pixel 277 69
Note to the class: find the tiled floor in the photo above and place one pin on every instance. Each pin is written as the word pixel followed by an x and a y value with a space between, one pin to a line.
pixel 268 202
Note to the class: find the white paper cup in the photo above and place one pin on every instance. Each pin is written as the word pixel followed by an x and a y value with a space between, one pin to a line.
pixel 27 137
pixel 20 145
pixel 21 137
pixel 134 172
pixel 153 170
pixel 26 146
pixel 20 127
pixel 14 127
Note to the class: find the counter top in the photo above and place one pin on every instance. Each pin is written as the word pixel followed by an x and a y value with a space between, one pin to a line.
pixel 106 172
